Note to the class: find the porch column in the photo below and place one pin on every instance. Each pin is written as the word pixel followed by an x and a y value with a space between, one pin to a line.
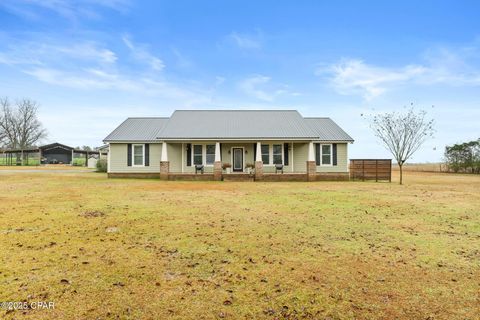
pixel 259 163
pixel 311 165
pixel 217 165
pixel 164 163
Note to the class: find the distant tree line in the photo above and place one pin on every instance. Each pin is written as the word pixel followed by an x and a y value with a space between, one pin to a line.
pixel 463 157
pixel 19 124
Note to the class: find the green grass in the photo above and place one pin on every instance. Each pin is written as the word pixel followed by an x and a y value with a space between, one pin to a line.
pixel 146 249
pixel 27 162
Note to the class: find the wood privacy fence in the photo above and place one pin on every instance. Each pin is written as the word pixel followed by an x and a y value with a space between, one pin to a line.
pixel 371 169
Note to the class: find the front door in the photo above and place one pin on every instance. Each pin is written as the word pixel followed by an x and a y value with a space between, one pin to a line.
pixel 238 159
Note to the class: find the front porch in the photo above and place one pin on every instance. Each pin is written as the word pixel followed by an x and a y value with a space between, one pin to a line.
pixel 241 161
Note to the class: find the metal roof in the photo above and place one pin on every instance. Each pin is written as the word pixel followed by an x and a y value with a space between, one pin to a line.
pixel 236 124
pixel 228 124
pixel 327 129
pixel 137 129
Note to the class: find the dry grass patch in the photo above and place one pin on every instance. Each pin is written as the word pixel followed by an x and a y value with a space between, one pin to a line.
pixel 145 249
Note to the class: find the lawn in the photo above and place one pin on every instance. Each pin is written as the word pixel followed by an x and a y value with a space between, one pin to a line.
pixel 146 249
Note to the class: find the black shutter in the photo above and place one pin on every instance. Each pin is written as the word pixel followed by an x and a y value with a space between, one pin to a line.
pixel 317 154
pixel 129 154
pixel 334 147
pixel 189 154
pixel 147 155
pixel 254 152
pixel 285 154
pixel 220 152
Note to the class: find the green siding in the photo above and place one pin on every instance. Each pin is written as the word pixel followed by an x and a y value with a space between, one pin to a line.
pixel 118 159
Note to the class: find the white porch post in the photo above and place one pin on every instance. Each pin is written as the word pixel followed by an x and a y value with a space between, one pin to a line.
pixel 259 163
pixel 311 152
pixel 164 152
pixel 217 151
pixel 217 165
pixel 259 152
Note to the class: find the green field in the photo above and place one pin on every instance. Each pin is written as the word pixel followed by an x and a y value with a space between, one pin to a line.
pixel 146 249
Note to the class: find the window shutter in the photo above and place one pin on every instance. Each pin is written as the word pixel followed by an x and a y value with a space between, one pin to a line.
pixel 254 152
pixel 317 154
pixel 285 154
pixel 129 154
pixel 220 152
pixel 189 154
pixel 147 154
pixel 334 154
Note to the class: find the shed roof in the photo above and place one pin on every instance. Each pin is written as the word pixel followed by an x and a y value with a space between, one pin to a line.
pixel 137 129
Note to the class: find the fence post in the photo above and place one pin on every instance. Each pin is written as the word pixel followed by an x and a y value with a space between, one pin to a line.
pixel 376 170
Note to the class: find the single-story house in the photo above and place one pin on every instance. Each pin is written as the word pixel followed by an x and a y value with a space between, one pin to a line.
pixel 255 144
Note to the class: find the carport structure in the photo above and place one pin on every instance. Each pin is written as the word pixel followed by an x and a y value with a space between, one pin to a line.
pixel 54 153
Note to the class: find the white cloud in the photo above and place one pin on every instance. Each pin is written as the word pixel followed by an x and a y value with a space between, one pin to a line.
pixel 141 53
pixel 70 10
pixel 246 41
pixel 353 76
pixel 450 67
pixel 260 87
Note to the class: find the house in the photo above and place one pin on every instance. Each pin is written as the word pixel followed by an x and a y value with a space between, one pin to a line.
pixel 197 144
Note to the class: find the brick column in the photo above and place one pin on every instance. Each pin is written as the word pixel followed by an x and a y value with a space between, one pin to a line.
pixel 258 170
pixel 164 169
pixel 311 170
pixel 217 171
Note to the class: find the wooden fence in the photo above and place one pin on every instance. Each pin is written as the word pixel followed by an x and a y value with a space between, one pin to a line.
pixel 371 169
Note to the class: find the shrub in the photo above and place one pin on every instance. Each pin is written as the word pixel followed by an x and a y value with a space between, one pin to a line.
pixel 102 165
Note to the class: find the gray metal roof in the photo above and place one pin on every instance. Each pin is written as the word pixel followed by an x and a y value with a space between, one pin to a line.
pixel 228 124
pixel 137 129
pixel 236 124
pixel 327 129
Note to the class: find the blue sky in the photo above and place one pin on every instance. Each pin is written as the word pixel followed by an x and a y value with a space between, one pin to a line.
pixel 92 63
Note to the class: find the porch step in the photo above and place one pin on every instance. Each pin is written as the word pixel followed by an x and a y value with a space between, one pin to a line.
pixel 238 177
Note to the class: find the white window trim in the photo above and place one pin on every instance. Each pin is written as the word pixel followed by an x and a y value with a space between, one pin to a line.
pixel 193 154
pixel 270 153
pixel 331 155
pixel 143 155
pixel 205 155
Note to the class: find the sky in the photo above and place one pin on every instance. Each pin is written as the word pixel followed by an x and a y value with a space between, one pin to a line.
pixel 92 63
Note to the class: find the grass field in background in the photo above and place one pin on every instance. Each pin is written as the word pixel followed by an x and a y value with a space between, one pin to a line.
pixel 145 249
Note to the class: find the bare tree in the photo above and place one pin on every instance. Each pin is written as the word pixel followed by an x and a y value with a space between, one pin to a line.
pixel 402 133
pixel 19 124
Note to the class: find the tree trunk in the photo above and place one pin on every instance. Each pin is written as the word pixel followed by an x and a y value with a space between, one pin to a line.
pixel 401 172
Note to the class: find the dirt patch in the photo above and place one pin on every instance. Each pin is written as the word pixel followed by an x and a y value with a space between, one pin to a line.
pixel 92 214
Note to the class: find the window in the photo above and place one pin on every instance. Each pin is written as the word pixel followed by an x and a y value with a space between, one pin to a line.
pixel 326 154
pixel 210 154
pixel 138 155
pixel 277 154
pixel 266 153
pixel 197 154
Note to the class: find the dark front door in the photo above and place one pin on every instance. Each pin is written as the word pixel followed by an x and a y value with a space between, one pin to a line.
pixel 238 159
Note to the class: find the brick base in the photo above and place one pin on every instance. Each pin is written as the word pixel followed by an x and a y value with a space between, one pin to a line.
pixel 164 169
pixel 332 176
pixel 311 170
pixel 217 171
pixel 258 170
pixel 190 177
